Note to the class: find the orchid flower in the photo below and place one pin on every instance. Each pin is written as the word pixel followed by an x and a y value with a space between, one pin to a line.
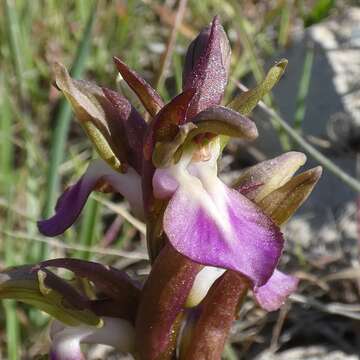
pixel 208 242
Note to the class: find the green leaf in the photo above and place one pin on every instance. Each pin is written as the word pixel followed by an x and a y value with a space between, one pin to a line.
pixel 33 287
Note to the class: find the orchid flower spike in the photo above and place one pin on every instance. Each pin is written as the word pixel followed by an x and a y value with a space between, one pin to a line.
pixel 208 242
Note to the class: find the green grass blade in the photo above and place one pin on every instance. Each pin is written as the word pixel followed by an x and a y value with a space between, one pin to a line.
pixel 12 324
pixel 177 72
pixel 314 153
pixel 249 45
pixel 303 90
pixel 62 122
pixel 319 11
pixel 6 135
pixel 285 19
pixel 13 31
pixel 88 227
pixel 12 330
pixel 6 173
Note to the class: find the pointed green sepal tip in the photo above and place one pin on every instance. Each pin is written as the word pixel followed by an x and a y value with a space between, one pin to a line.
pixel 246 101
pixel 93 112
pixel 263 178
pixel 282 203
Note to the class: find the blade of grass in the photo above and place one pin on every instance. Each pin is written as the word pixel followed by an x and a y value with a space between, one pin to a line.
pixel 22 236
pixel 120 210
pixel 248 44
pixel 303 90
pixel 6 135
pixel 12 324
pixel 285 19
pixel 88 227
pixel 87 234
pixel 229 353
pixel 6 159
pixel 256 68
pixel 13 31
pixel 178 72
pixel 12 330
pixel 319 11
pixel 62 122
pixel 166 58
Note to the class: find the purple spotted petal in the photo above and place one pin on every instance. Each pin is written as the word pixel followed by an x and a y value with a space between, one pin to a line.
pixel 209 75
pixel 74 198
pixel 274 293
pixel 220 227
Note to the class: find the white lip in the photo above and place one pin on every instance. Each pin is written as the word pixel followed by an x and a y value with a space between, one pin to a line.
pixel 66 340
pixel 202 284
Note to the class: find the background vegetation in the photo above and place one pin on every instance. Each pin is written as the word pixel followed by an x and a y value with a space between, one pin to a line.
pixel 42 149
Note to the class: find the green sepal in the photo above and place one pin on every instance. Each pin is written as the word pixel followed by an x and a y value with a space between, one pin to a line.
pixel 246 101
pixel 87 101
pixel 282 203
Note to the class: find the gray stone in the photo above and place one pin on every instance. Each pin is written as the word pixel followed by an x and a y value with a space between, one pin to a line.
pixel 333 116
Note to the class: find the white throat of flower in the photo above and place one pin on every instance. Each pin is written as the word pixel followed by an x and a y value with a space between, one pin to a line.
pixel 115 332
pixel 201 182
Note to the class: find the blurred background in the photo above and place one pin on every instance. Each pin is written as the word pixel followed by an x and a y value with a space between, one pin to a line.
pixel 42 150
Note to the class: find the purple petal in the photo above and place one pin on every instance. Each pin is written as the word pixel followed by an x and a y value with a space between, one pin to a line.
pixel 74 198
pixel 209 76
pixel 164 184
pixel 274 293
pixel 219 227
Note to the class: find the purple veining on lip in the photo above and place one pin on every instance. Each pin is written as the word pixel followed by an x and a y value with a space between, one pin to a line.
pixel 248 242
pixel 273 294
